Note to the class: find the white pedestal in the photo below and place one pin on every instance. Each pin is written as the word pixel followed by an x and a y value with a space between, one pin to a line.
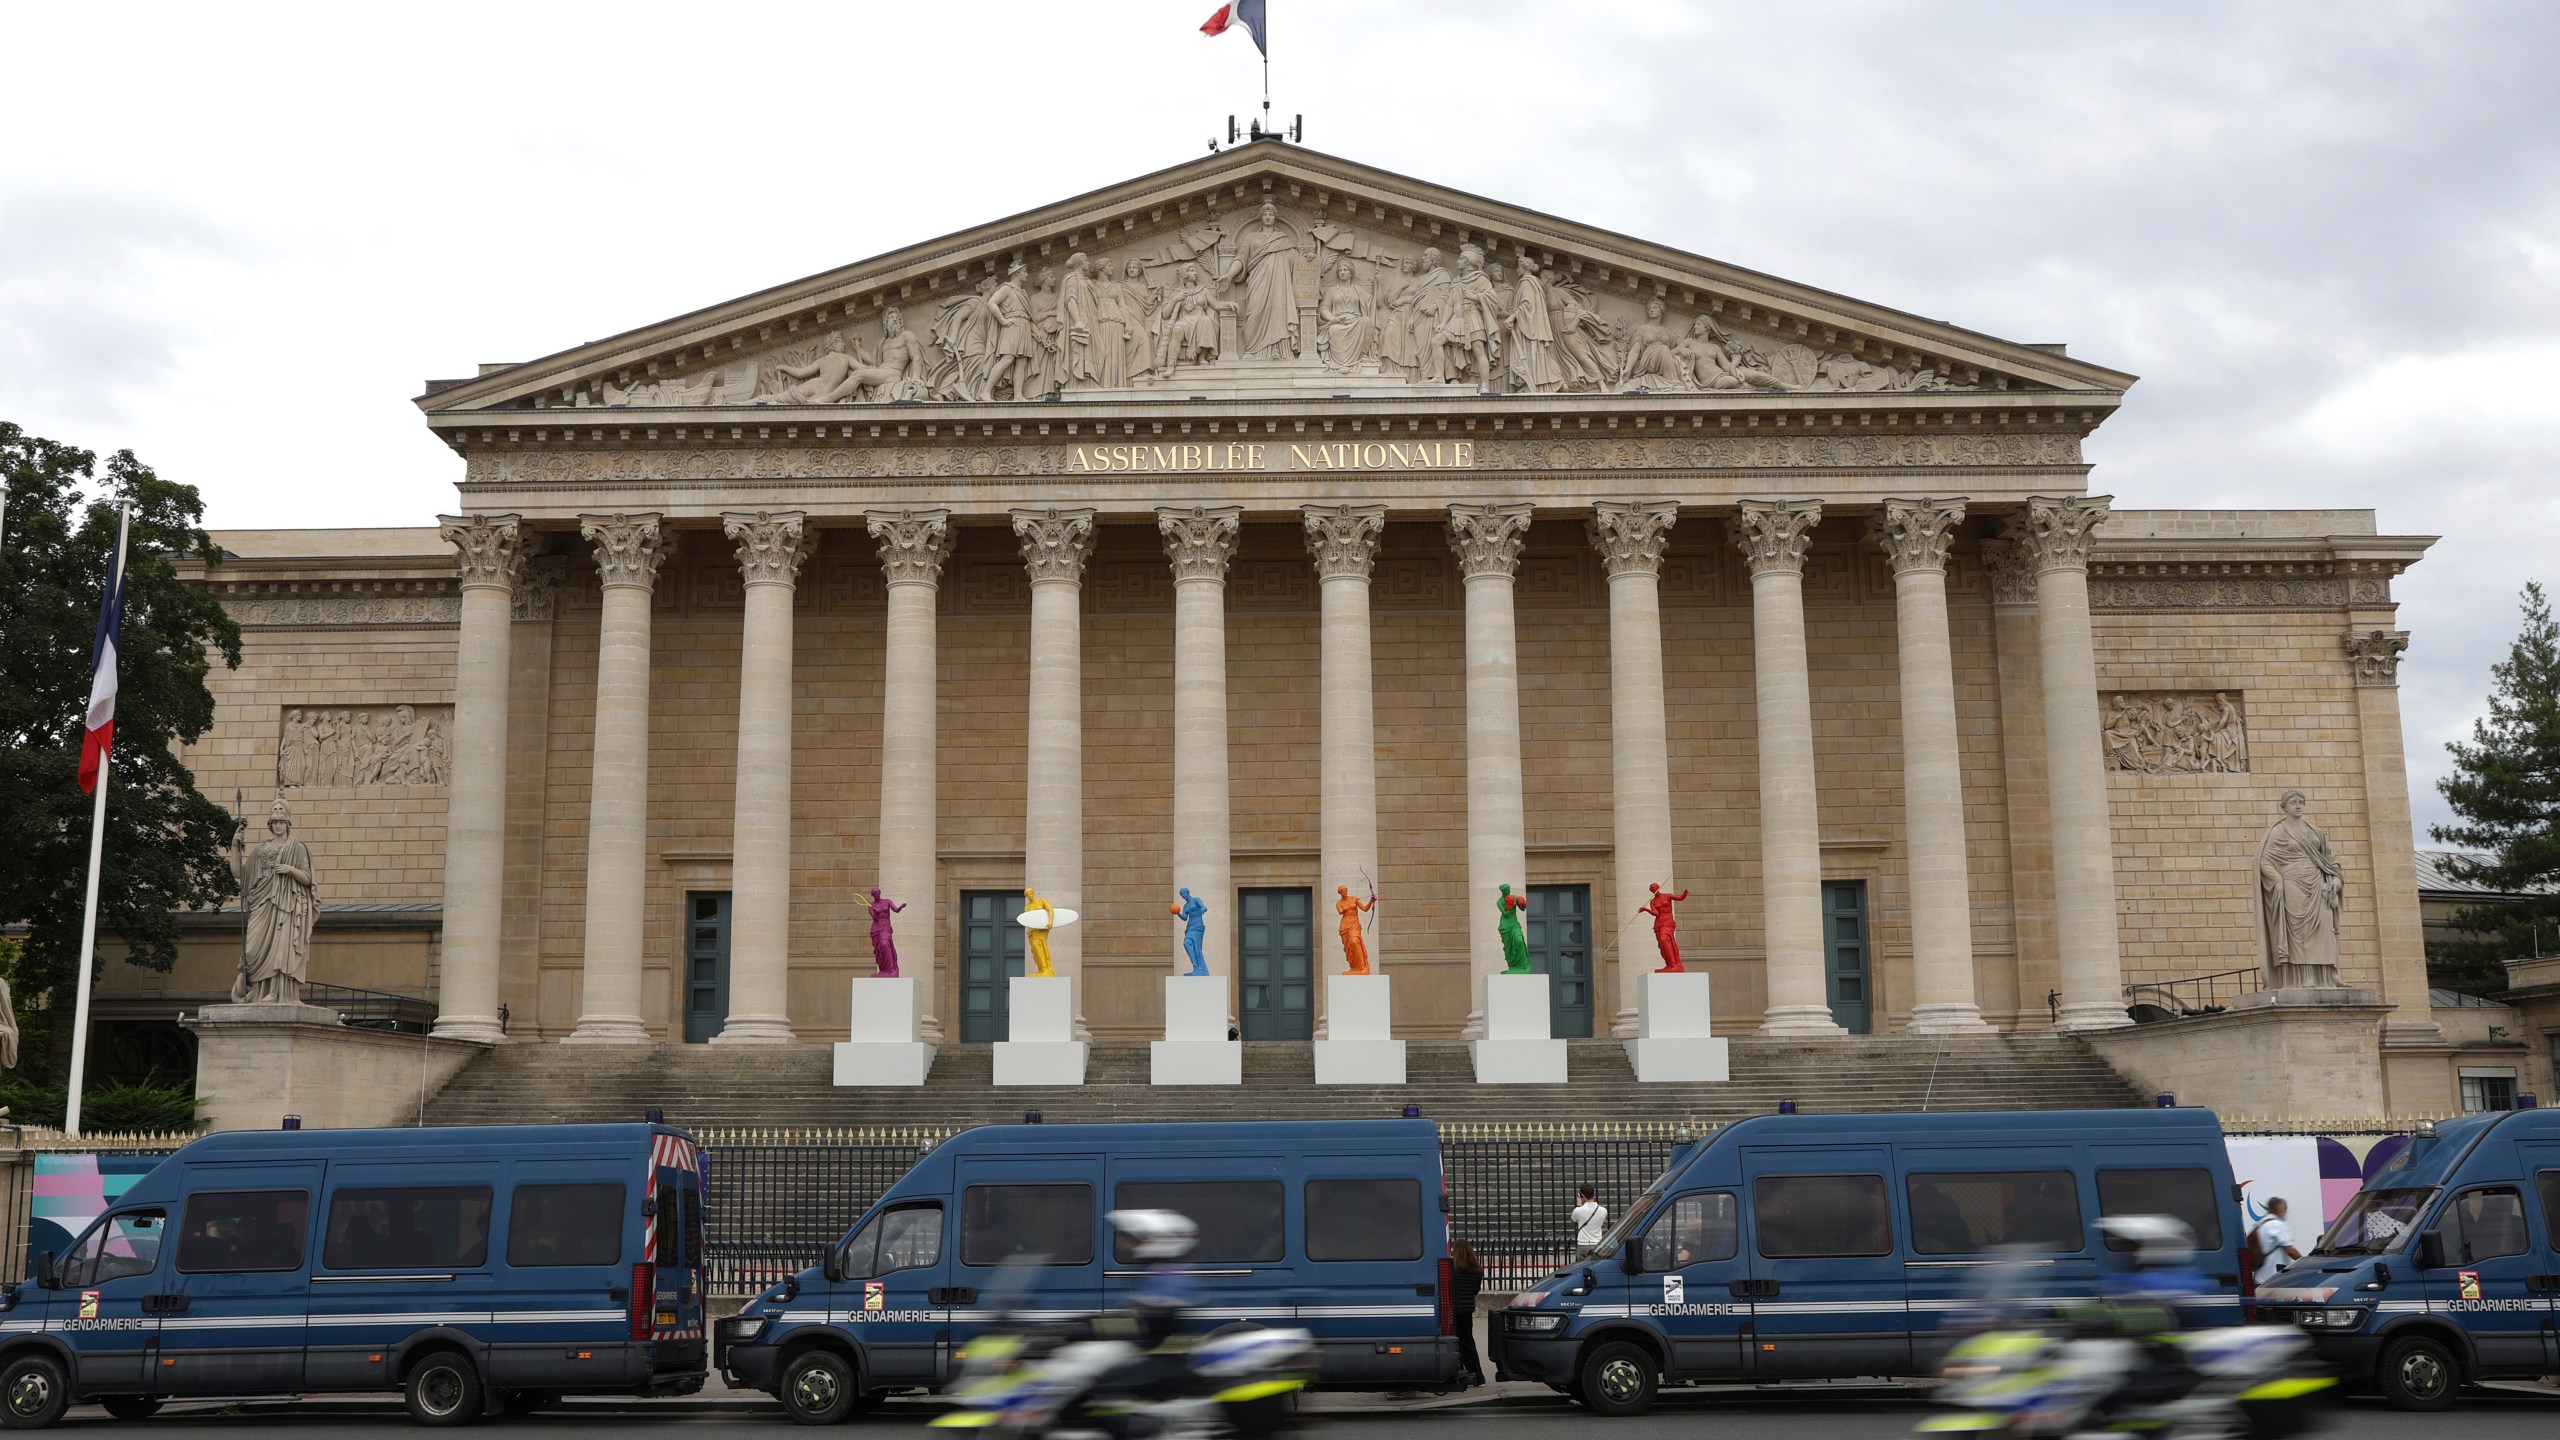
pixel 1043 1048
pixel 1195 1049
pixel 888 1046
pixel 1517 1048
pixel 1359 1047
pixel 1675 1034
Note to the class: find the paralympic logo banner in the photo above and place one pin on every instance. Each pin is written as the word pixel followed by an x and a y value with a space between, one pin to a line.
pixel 71 1191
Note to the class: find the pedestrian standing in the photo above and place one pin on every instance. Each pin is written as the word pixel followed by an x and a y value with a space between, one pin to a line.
pixel 1590 1222
pixel 1466 1282
pixel 2274 1239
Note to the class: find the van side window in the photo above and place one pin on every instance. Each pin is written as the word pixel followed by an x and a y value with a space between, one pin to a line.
pixel 1239 1220
pixel 2185 1194
pixel 1697 1229
pixel 2548 1182
pixel 1966 1214
pixel 1364 1219
pixel 670 1233
pixel 121 1245
pixel 908 1238
pixel 2483 1225
pixel 1026 1225
pixel 579 1224
pixel 232 1231
pixel 1806 1216
pixel 443 1227
pixel 693 1236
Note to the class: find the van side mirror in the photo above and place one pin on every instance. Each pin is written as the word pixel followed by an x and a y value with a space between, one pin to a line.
pixel 47 1278
pixel 2431 1250
pixel 1631 1256
pixel 831 1267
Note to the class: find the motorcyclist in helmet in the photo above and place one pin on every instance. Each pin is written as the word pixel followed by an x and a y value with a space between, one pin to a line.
pixel 1158 1239
pixel 2141 1305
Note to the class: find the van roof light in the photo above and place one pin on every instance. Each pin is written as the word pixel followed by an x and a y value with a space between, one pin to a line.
pixel 2165 1100
pixel 2528 1101
pixel 1413 1112
pixel 292 1122
pixel 1786 1107
pixel 654 1115
pixel 2426 1130
pixel 1030 1117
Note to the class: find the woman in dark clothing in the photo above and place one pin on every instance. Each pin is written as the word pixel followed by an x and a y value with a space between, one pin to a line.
pixel 1466 1281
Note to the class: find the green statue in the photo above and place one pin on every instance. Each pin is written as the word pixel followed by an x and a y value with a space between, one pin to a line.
pixel 1515 945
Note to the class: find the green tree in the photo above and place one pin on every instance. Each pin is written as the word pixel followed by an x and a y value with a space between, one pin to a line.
pixel 2506 787
pixel 167 847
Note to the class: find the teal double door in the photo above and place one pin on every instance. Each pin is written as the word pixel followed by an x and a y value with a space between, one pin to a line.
pixel 1275 962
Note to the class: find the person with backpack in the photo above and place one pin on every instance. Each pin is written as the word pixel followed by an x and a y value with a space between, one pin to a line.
pixel 2271 1246
pixel 1590 1222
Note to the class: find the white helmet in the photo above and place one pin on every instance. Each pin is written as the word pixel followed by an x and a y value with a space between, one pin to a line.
pixel 1155 1234
pixel 2158 1241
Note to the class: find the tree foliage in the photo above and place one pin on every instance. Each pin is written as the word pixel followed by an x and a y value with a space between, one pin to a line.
pixel 2506 787
pixel 166 845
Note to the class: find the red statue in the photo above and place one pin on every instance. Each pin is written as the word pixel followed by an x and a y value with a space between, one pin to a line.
pixel 1666 933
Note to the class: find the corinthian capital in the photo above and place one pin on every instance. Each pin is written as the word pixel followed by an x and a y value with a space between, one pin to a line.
pixel 1198 539
pixel 772 544
pixel 913 543
pixel 2013 580
pixel 629 548
pixel 2375 655
pixel 538 588
pixel 1631 534
pixel 1773 534
pixel 1915 533
pixel 1343 539
pixel 1488 537
pixel 2058 534
pixel 489 548
pixel 1054 543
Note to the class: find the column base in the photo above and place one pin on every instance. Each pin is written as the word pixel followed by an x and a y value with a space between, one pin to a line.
pixel 755 1030
pixel 2091 1015
pixel 474 1029
pixel 1957 1018
pixel 1803 1020
pixel 1626 1025
pixel 2396 1035
pixel 609 1030
pixel 1474 1028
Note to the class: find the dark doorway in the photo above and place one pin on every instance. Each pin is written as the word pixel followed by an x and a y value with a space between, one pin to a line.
pixel 990 956
pixel 1275 964
pixel 1558 927
pixel 706 964
pixel 1847 956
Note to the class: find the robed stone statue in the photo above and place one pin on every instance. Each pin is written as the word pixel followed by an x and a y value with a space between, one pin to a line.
pixel 2300 892
pixel 276 889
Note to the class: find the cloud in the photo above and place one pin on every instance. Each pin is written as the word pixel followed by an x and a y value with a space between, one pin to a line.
pixel 93 320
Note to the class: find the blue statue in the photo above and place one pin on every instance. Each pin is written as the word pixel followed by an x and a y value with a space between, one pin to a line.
pixel 1194 916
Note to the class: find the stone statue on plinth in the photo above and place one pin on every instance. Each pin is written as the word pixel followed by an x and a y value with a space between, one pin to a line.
pixel 277 892
pixel 1515 944
pixel 1355 947
pixel 884 935
pixel 1194 915
pixel 1666 930
pixel 2301 890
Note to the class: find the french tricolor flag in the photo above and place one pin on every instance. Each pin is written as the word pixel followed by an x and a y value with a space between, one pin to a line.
pixel 1247 13
pixel 102 681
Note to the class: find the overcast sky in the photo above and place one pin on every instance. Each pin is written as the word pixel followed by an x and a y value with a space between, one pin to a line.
pixel 236 238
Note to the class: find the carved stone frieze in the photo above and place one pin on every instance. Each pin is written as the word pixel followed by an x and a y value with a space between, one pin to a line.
pixel 772 544
pixel 1199 539
pixel 1343 539
pixel 913 544
pixel 488 548
pixel 354 746
pixel 1055 543
pixel 2058 534
pixel 2375 655
pixel 1270 585
pixel 2176 732
pixel 629 548
pixel 1631 534
pixel 271 605
pixel 1915 534
pixel 1773 535
pixel 2293 586
pixel 1487 538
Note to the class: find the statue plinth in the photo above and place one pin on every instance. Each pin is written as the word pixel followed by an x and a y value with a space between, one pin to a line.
pixel 1518 1047
pixel 1041 1047
pixel 1195 1049
pixel 887 1044
pixel 265 1012
pixel 1359 1047
pixel 2303 1050
pixel 1675 1031
pixel 259 1062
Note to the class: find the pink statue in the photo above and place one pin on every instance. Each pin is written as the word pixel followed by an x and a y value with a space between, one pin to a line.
pixel 1666 933
pixel 1355 949
pixel 884 936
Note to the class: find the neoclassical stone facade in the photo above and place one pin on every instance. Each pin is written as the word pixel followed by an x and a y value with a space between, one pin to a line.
pixel 1272 524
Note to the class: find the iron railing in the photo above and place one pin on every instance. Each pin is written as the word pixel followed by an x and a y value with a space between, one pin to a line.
pixel 779 1198
pixel 2155 1000
pixel 373 1009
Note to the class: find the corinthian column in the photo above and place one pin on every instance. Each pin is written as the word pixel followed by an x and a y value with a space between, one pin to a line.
pixel 1055 544
pixel 629 550
pixel 1915 535
pixel 2055 537
pixel 772 544
pixel 1631 538
pixel 1199 540
pixel 1488 540
pixel 913 545
pixel 475 833
pixel 1343 541
pixel 1773 535
pixel 2373 658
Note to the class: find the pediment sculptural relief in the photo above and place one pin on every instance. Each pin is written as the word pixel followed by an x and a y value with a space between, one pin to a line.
pixel 1274 298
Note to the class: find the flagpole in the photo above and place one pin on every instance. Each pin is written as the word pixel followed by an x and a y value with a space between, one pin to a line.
pixel 89 915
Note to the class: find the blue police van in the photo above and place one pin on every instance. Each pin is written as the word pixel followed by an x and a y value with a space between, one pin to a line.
pixel 473 1269
pixel 2445 1267
pixel 1339 1228
pixel 1804 1247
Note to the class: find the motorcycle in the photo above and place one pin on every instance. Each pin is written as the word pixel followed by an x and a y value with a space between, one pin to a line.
pixel 1087 1381
pixel 2256 1382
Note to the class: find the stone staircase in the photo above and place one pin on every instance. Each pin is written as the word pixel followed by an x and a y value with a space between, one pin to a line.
pixel 790 1087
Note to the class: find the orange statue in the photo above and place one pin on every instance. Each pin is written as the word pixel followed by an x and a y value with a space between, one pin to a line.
pixel 1355 950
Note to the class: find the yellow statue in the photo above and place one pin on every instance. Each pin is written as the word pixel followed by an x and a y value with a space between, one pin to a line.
pixel 1038 935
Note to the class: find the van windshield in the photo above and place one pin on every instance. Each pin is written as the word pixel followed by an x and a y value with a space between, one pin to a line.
pixel 1628 1223
pixel 2376 1222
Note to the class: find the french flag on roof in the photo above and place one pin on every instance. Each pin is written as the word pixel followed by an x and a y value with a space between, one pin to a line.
pixel 102 682
pixel 1247 13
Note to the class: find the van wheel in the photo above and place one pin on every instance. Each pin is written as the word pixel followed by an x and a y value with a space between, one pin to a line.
pixel 1618 1379
pixel 33 1392
pixel 2418 1374
pixel 442 1389
pixel 130 1407
pixel 818 1388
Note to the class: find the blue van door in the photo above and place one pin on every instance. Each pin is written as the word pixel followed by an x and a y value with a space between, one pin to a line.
pixel 2488 1255
pixel 403 1246
pixel 1030 1241
pixel 1373 1244
pixel 1829 1298
pixel 2021 1221
pixel 243 1281
pixel 106 1304
pixel 2542 1161
pixel 575 1267
pixel 1696 1283
pixel 1241 1263
pixel 891 1297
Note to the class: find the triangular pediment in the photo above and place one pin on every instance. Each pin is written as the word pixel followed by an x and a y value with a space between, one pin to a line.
pixel 1268 271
